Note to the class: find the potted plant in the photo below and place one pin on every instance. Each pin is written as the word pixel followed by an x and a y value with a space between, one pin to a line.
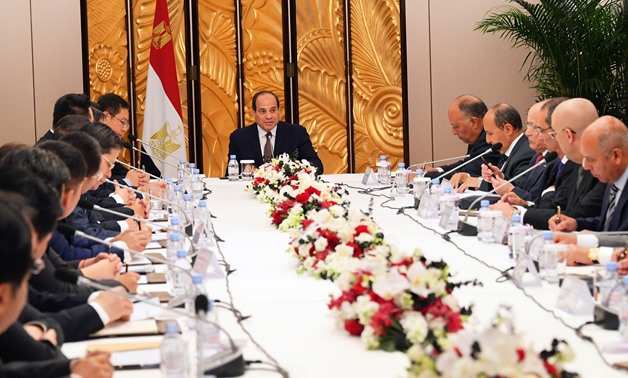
pixel 577 48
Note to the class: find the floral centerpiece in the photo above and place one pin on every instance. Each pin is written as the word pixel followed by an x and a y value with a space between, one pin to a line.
pixel 269 178
pixel 494 352
pixel 408 304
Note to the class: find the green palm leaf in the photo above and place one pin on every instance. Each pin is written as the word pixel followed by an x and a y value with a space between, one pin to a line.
pixel 578 48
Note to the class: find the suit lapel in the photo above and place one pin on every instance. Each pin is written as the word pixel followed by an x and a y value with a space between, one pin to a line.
pixel 619 209
pixel 255 141
pixel 279 138
pixel 513 155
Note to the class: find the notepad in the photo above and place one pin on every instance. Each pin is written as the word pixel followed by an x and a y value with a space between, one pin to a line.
pixel 119 328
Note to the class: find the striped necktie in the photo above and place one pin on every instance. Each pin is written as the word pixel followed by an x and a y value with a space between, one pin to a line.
pixel 268 148
pixel 612 204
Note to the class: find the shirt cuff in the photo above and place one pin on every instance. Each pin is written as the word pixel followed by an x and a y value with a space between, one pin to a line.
pixel 439 169
pixel 605 255
pixel 127 181
pixel 587 241
pixel 123 225
pixel 548 190
pixel 102 314
pixel 117 198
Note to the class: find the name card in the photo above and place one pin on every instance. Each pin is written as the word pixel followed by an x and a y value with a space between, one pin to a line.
pixel 575 298
pixel 367 174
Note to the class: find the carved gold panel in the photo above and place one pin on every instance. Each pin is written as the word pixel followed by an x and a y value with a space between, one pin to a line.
pixel 144 14
pixel 377 93
pixel 218 62
pixel 107 51
pixel 262 41
pixel 322 84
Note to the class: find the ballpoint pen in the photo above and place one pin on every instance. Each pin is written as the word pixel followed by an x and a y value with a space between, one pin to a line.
pixel 557 214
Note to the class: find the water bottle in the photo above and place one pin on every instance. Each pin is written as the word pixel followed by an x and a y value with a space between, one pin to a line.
pixel 542 258
pixel 197 185
pixel 485 232
pixel 188 207
pixel 401 178
pixel 175 225
pixel 174 244
pixel 516 237
pixel 195 288
pixel 623 311
pixel 420 183
pixel 606 285
pixel 435 193
pixel 169 195
pixel 232 168
pixel 178 199
pixel 202 214
pixel 383 170
pixel 174 354
pixel 181 171
pixel 180 274
pixel 449 210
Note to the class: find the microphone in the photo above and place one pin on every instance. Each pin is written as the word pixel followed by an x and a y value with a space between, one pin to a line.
pixel 439 161
pixel 134 138
pixel 129 146
pixel 90 206
pixel 226 363
pixel 137 169
pixel 494 148
pixel 464 228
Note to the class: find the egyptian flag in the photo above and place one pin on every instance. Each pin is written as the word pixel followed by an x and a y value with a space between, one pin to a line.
pixel 163 123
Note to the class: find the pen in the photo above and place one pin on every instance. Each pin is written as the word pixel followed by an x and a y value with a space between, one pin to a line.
pixel 486 163
pixel 557 214
pixel 624 253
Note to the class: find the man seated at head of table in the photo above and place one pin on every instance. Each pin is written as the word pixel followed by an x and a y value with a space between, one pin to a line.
pixel 269 137
pixel 576 191
pixel 466 117
pixel 15 251
pixel 605 154
pixel 502 124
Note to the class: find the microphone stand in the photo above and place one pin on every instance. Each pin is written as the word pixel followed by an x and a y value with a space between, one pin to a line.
pixel 137 169
pixel 495 147
pixel 439 161
pixel 464 228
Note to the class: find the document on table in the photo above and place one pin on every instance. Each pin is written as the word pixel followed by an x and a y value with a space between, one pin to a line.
pixel 119 328
pixel 147 309
pixel 136 359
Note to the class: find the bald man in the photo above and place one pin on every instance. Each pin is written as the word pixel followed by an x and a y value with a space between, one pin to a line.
pixel 466 115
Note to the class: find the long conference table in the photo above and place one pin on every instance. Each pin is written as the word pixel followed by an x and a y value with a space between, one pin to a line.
pixel 289 314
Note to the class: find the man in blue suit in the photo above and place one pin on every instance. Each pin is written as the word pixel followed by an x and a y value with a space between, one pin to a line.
pixel 269 137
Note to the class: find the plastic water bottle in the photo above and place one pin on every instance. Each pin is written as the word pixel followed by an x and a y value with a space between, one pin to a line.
pixel 516 237
pixel 383 170
pixel 548 237
pixel 174 354
pixel 195 288
pixel 202 214
pixel 606 285
pixel 232 168
pixel 169 195
pixel 197 185
pixel 174 244
pixel 188 207
pixel 181 171
pixel 175 224
pixel 401 178
pixel 180 274
pixel 485 233
pixel 623 311
pixel 177 198
pixel 436 191
pixel 420 183
pixel 449 210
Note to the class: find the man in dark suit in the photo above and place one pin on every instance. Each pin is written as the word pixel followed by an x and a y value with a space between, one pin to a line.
pixel 466 115
pixel 502 124
pixel 605 151
pixel 269 137
pixel 576 191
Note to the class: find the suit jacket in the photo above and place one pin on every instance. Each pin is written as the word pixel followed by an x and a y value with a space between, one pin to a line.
pixel 290 139
pixel 517 162
pixel 475 167
pixel 41 369
pixel 536 181
pixel 585 200
pixel 49 135
pixel 619 220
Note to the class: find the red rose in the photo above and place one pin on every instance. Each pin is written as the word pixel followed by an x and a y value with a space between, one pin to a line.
pixel 354 327
pixel 305 223
pixel 302 198
pixel 383 318
pixel 454 323
pixel 551 369
pixel 521 355
pixel 312 190
pixel 327 204
pixel 357 251
pixel 360 229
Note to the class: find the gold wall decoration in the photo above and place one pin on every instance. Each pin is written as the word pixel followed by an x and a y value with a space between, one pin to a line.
pixel 322 84
pixel 262 41
pixel 218 62
pixel 377 94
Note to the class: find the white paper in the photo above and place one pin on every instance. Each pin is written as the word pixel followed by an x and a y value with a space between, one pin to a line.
pixel 146 309
pixel 136 357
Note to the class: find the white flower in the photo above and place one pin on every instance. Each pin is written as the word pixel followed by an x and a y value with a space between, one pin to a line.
pixel 417 276
pixel 344 250
pixel 390 285
pixel 345 280
pixel 337 211
pixel 320 244
pixel 364 238
pixel 365 308
pixel 415 326
pixel 369 339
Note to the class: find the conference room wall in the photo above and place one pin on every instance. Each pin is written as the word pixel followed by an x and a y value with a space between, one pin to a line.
pixel 446 58
pixel 40 45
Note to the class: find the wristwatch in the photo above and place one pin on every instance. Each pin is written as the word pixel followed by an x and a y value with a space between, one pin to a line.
pixel 594 255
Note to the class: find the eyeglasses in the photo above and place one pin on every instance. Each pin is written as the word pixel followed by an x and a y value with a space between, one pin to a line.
pixel 98 176
pixel 532 126
pixel 37 266
pixel 111 165
pixel 540 131
pixel 124 124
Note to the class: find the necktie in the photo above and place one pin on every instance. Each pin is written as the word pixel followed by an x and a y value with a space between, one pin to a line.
pixel 580 176
pixel 538 158
pixel 268 148
pixel 560 168
pixel 612 204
